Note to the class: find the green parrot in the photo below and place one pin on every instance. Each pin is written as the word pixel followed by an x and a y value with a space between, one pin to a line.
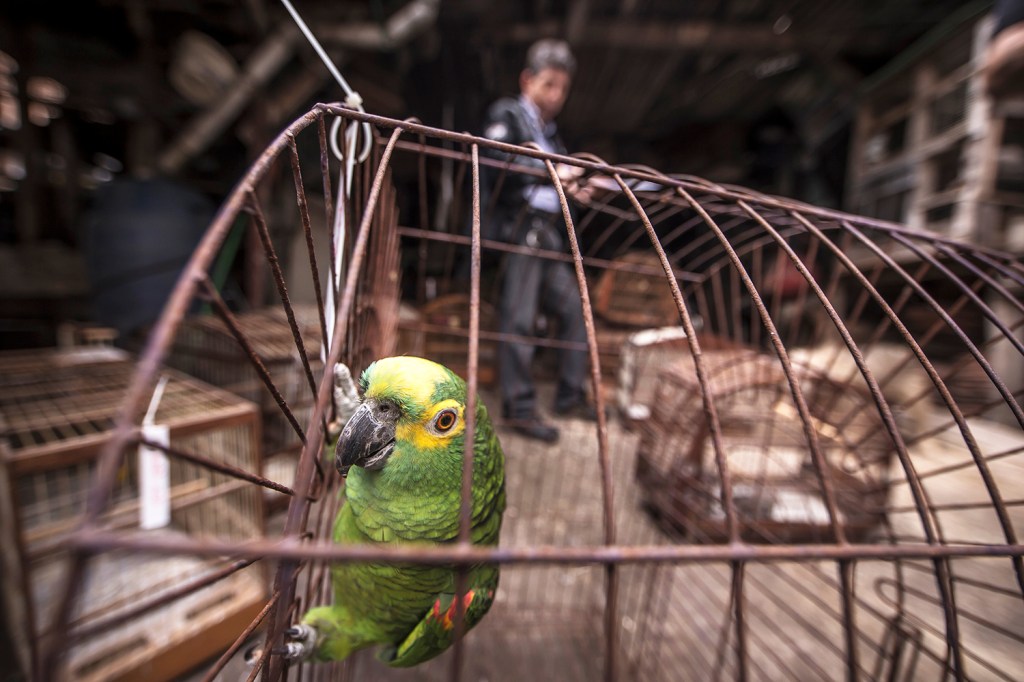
pixel 402 454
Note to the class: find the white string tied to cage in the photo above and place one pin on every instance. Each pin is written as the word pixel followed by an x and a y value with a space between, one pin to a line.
pixel 349 159
pixel 154 466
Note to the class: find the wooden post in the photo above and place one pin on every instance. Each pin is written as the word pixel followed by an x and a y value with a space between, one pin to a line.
pixel 65 148
pixel 255 263
pixel 27 198
pixel 264 63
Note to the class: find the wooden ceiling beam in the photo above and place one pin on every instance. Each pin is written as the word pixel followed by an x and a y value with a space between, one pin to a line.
pixel 661 78
pixel 414 18
pixel 576 22
pixel 263 64
pixel 699 35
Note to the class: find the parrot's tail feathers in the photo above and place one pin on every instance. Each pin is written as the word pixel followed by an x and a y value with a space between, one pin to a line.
pixel 436 631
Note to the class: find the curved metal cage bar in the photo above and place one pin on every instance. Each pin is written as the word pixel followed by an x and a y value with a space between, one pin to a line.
pixel 807 464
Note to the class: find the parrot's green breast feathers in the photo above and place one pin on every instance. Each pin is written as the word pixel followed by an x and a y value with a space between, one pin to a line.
pixel 404 484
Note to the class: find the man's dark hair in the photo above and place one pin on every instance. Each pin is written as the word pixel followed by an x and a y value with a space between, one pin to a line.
pixel 550 53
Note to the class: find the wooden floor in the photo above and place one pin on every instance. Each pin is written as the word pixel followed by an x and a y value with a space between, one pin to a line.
pixel 675 622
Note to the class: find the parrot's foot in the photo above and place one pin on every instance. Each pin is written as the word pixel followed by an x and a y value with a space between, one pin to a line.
pixel 346 402
pixel 346 394
pixel 300 642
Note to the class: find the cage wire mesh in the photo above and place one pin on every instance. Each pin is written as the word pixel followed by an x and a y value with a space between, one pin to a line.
pixel 813 465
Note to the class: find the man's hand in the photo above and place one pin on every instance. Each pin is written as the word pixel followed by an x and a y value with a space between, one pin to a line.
pixel 574 183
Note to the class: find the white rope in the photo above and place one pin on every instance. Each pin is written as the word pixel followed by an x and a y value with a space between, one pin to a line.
pixel 349 159
pixel 154 402
pixel 317 47
pixel 352 98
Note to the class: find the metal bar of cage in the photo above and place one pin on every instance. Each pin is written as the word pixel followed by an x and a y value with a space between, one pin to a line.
pixel 256 211
pixel 226 315
pixel 611 579
pixel 969 439
pixel 285 579
pixel 929 519
pixel 161 599
pixel 220 467
pixel 685 182
pixel 291 550
pixel 314 271
pixel 221 662
pixel 466 493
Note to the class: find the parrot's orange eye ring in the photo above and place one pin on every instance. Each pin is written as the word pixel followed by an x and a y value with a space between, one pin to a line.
pixel 445 420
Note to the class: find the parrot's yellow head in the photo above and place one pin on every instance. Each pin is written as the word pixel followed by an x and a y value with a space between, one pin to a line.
pixel 408 402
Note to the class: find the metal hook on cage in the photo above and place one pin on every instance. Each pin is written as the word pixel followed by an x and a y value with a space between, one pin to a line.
pixel 350 159
pixel 355 102
pixel 352 100
pixel 339 229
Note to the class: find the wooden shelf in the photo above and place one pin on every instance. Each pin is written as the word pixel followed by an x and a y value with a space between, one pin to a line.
pixel 940 180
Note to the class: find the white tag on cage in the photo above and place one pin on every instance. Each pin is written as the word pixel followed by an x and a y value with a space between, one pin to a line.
pixel 154 478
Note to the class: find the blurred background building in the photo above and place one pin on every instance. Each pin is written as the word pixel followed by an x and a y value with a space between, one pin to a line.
pixel 112 110
pixel 124 124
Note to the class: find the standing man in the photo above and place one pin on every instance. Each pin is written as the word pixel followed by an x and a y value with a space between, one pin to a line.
pixel 528 213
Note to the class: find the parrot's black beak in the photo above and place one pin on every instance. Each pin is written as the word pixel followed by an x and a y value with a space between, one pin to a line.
pixel 368 438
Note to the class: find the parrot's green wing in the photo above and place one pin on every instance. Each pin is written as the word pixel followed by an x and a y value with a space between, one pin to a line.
pixel 436 630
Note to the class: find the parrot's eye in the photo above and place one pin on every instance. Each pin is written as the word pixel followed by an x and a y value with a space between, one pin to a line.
pixel 445 420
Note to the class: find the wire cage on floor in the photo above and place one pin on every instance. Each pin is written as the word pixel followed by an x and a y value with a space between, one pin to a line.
pixel 811 471
pixel 57 409
pixel 775 489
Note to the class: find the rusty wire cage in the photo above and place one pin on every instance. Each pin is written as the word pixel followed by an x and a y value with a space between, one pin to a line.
pixel 813 470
